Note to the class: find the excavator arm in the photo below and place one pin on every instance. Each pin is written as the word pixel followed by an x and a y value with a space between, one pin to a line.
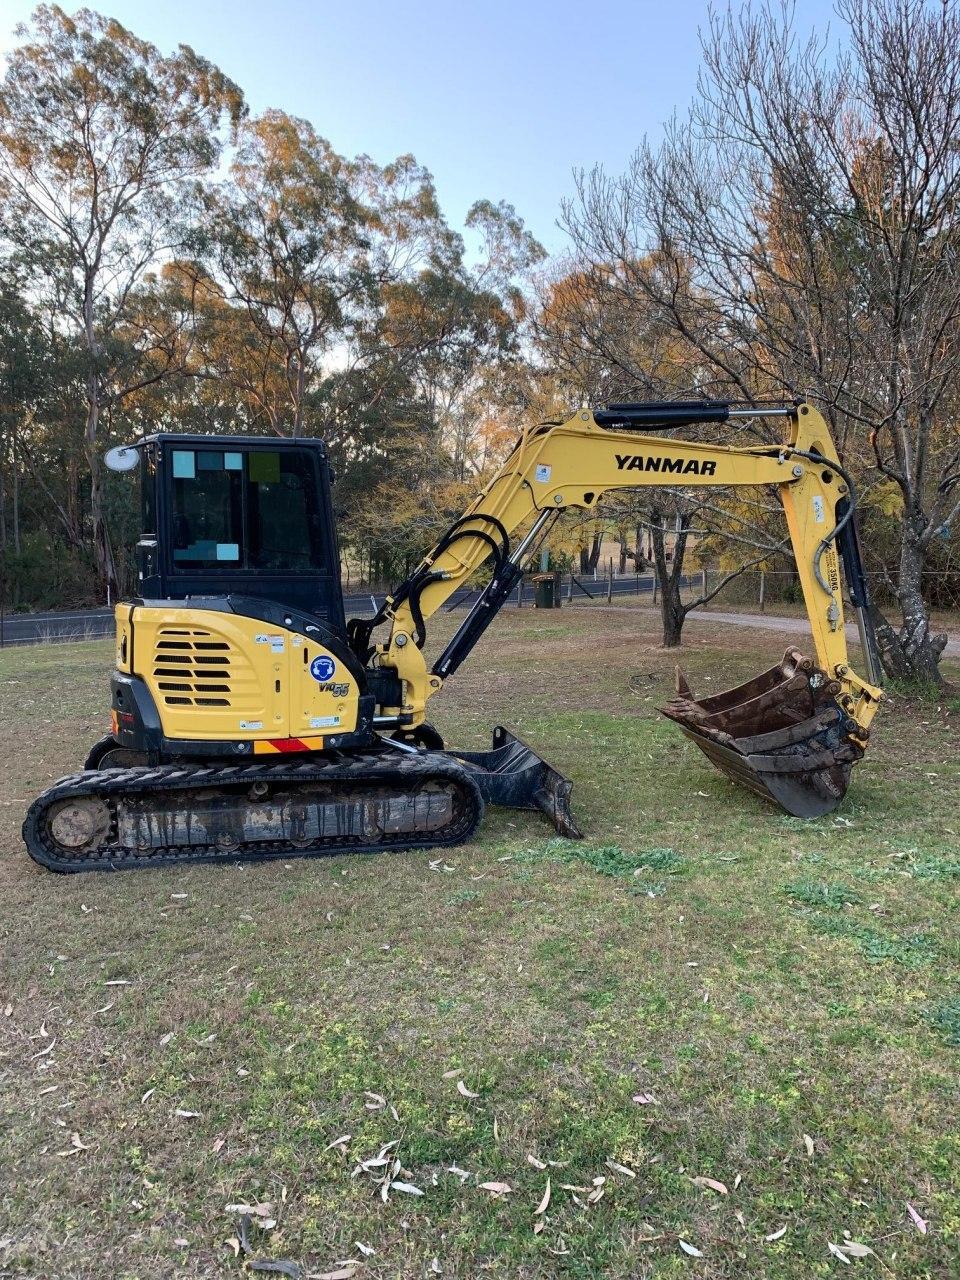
pixel 561 465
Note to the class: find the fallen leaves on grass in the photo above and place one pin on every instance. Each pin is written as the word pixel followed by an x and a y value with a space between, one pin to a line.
pixel 544 1203
pixel 464 1091
pixel 620 1168
pixel 838 1252
pixel 76 1146
pixel 776 1235
pixel 496 1188
pixel 808 1143
pixel 186 1115
pixel 918 1222
pixel 375 1101
pixel 691 1249
pixel 645 1100
pixel 341 1271
pixel 857 1250
pixel 263 1210
pixel 712 1183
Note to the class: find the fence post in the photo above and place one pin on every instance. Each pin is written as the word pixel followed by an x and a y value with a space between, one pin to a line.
pixel 520 594
pixel 763 585
pixel 610 581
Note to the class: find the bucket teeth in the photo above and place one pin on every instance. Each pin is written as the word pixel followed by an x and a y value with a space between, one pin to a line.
pixel 683 689
pixel 783 734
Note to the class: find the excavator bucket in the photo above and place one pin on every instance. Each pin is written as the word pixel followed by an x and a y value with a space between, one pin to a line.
pixel 513 775
pixel 783 734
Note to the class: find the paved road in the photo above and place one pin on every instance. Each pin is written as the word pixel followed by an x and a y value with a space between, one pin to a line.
pixel 770 622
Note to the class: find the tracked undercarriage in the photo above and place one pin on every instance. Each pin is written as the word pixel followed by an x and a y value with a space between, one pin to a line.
pixel 116 818
pixel 391 798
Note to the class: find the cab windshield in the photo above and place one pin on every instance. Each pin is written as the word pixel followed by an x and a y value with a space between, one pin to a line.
pixel 251 510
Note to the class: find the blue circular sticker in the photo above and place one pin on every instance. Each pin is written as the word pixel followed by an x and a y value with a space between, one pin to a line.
pixel 322 668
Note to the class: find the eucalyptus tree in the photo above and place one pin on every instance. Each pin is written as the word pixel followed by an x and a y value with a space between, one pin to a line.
pixel 101 138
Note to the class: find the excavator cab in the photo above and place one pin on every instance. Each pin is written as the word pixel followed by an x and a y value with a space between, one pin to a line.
pixel 234 515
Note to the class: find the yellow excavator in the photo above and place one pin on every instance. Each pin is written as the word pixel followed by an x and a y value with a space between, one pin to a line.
pixel 250 720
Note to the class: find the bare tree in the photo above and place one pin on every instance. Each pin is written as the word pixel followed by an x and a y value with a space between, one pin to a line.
pixel 799 233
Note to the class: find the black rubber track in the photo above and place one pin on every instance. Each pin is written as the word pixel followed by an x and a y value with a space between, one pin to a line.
pixel 360 769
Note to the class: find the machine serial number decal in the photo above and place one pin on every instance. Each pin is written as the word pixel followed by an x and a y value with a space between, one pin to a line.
pixel 275 642
pixel 251 724
pixel 679 466
pixel 324 722
pixel 322 667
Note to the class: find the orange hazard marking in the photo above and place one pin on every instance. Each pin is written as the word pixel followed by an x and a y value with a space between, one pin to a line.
pixel 273 746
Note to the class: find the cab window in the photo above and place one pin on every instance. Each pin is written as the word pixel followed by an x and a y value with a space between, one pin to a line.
pixel 254 510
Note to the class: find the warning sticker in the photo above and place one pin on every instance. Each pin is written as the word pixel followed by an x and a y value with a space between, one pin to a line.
pixel 275 642
pixel 543 472
pixel 819 511
pixel 324 722
pixel 251 724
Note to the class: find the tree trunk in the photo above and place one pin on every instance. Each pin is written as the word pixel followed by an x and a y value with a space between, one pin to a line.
pixel 102 548
pixel 672 611
pixel 17 544
pixel 912 654
pixel 639 560
pixel 589 559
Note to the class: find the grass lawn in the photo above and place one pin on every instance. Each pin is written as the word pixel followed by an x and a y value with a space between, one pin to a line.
pixel 708 1023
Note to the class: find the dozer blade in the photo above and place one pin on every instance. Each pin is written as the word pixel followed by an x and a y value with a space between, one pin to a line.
pixel 783 734
pixel 511 774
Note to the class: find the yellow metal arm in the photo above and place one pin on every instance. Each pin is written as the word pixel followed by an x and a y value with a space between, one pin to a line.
pixel 572 464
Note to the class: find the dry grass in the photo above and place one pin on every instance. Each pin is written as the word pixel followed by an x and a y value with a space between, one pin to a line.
pixel 761 978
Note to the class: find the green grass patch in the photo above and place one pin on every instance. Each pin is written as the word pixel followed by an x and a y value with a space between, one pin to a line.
pixel 821 894
pixel 945 1018
pixel 684 994
pixel 606 860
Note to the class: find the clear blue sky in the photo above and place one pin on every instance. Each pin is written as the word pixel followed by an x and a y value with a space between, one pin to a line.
pixel 499 100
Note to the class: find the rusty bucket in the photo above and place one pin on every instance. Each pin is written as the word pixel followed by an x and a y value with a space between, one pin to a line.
pixel 783 734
